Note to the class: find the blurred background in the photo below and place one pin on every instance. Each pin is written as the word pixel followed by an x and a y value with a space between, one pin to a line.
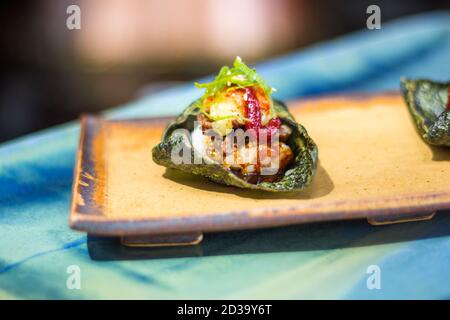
pixel 128 48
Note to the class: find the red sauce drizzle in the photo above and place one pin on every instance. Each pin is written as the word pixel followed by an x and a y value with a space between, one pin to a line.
pixel 253 113
pixel 252 110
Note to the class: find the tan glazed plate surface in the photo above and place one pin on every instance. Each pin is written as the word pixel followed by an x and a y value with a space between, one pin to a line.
pixel 372 164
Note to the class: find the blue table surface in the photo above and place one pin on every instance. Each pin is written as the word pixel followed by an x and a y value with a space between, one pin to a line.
pixel 327 260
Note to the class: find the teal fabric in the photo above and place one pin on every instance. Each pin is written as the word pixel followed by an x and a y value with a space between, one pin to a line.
pixel 327 260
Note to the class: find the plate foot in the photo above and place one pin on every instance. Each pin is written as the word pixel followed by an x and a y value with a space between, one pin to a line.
pixel 162 240
pixel 400 218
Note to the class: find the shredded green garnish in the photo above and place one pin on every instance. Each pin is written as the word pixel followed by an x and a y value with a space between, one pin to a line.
pixel 240 75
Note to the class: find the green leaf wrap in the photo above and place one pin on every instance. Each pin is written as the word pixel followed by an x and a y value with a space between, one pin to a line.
pixel 297 176
pixel 427 103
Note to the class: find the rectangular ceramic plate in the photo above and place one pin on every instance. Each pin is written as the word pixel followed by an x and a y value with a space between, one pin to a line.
pixel 372 163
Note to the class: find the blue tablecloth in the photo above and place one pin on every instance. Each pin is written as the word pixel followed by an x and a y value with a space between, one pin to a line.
pixel 327 260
